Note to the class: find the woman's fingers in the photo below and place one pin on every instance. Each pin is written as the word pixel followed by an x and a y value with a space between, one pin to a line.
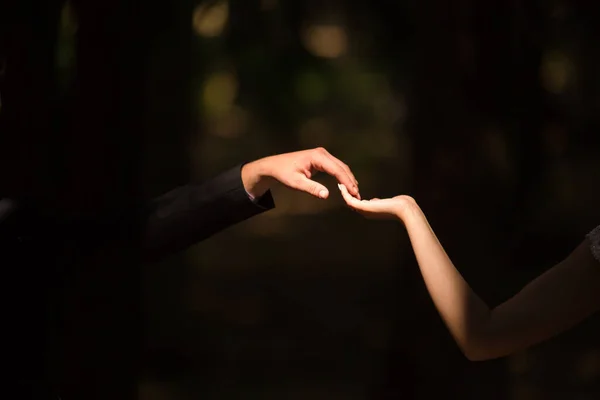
pixel 359 205
pixel 373 207
pixel 347 197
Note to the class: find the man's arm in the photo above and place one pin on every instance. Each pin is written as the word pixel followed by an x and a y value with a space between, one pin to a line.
pixel 194 212
pixel 191 213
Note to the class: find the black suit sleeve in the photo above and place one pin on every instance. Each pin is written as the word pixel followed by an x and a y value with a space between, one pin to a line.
pixel 169 223
pixel 192 213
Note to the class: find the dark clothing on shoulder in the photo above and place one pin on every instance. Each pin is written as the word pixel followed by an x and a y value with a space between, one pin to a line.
pixel 39 251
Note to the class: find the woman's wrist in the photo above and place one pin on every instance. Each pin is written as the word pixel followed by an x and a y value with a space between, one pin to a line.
pixel 407 208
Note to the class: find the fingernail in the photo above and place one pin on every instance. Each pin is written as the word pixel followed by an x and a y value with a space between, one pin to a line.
pixel 323 194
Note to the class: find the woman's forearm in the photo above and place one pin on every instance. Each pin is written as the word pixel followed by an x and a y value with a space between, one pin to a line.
pixel 553 302
pixel 463 312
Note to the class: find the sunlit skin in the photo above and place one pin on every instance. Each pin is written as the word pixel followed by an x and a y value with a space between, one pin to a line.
pixel 555 301
pixel 295 171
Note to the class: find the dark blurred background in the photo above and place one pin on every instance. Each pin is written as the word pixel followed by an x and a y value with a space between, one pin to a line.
pixel 486 112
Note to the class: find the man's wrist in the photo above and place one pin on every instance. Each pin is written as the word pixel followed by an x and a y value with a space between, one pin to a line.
pixel 256 178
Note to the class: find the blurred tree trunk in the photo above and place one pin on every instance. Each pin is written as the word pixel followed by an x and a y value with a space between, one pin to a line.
pixel 400 376
pixel 101 141
pixel 172 67
pixel 440 131
pixel 27 95
pixel 104 138
pixel 444 128
pixel 587 14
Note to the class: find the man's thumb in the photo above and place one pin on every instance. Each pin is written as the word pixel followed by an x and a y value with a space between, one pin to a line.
pixel 314 188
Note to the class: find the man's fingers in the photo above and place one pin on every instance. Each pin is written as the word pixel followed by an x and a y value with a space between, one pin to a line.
pixel 324 162
pixel 350 174
pixel 344 166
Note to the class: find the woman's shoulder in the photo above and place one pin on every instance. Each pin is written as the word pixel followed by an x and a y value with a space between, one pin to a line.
pixel 7 208
pixel 18 215
pixel 594 239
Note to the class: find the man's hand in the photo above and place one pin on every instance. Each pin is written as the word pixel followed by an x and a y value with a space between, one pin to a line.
pixel 295 170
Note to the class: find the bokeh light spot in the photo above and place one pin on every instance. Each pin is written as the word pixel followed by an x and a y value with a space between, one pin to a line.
pixel 556 72
pixel 219 93
pixel 327 41
pixel 210 20
pixel 68 20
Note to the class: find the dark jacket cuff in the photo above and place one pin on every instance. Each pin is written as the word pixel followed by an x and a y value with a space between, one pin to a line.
pixel 233 177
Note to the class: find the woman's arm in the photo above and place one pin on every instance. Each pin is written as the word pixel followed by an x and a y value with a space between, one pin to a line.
pixel 555 301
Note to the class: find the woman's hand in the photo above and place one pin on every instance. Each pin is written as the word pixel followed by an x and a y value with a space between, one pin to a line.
pixel 392 208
